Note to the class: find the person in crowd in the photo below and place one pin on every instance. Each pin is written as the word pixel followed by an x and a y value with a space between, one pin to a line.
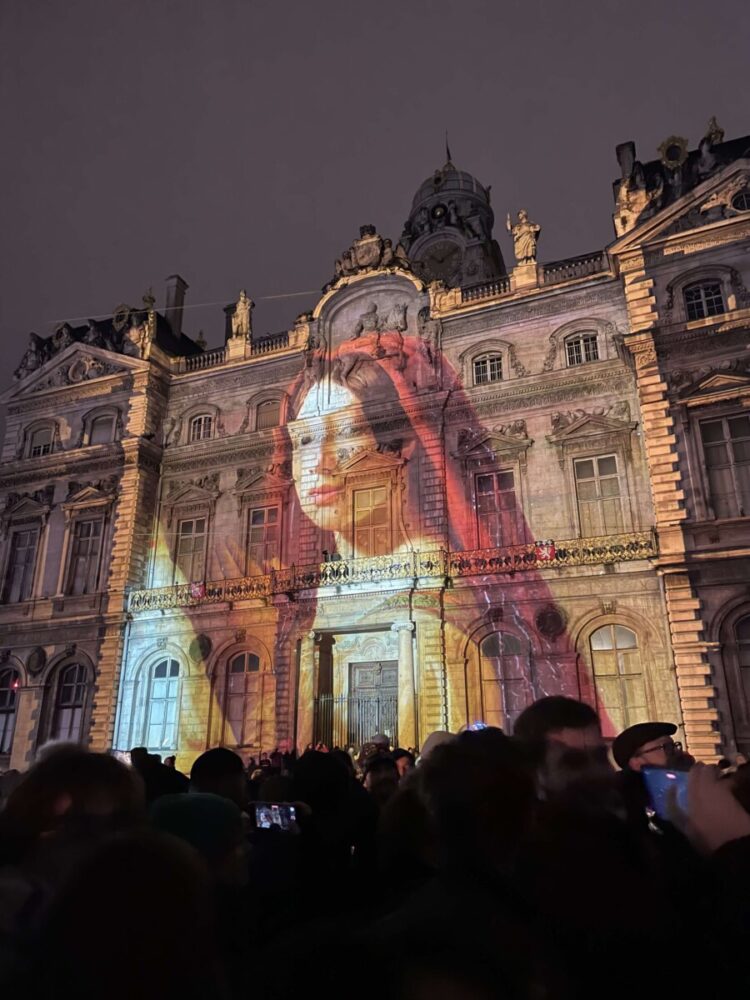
pixel 381 777
pixel 650 744
pixel 404 761
pixel 557 719
pixel 221 772
pixel 158 779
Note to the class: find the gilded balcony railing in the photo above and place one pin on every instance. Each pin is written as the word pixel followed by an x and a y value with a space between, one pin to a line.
pixel 434 564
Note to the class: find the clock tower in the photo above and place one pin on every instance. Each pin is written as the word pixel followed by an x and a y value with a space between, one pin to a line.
pixel 448 234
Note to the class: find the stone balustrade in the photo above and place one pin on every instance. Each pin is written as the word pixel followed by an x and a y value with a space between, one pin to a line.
pixel 487 290
pixel 436 564
pixel 574 267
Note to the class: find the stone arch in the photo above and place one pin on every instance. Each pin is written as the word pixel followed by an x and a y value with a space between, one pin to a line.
pixel 605 331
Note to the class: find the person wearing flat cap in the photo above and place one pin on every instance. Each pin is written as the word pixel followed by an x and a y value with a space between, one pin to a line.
pixel 650 744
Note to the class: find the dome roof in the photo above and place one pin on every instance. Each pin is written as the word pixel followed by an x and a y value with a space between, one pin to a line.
pixel 449 180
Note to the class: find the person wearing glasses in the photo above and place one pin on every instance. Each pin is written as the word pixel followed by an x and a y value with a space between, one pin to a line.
pixel 650 744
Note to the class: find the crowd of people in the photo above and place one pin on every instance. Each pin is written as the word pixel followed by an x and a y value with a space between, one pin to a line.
pixel 486 865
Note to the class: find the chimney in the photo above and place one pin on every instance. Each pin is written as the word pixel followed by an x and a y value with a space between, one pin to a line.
pixel 176 288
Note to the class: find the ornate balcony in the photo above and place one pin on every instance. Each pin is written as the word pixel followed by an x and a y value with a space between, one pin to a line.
pixel 437 564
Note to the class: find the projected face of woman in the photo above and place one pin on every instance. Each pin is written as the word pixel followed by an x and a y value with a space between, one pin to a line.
pixel 321 490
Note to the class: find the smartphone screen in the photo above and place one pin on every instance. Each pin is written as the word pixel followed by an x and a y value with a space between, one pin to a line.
pixel 275 814
pixel 663 787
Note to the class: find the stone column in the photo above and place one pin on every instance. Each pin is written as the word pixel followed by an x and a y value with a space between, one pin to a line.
pixel 407 716
pixel 26 735
pixel 306 691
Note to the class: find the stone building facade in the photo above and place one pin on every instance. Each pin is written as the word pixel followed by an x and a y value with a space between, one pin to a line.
pixel 448 489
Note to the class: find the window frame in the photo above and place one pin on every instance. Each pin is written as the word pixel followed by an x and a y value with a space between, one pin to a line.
pixel 274 562
pixel 268 403
pixel 96 516
pixel 53 692
pixel 579 338
pixel 499 685
pixel 719 416
pixel 622 496
pixel 513 513
pixel 9 709
pixel 182 517
pixel 170 660
pixel 36 525
pixel 489 358
pixel 201 420
pixel 257 676
pixel 35 428
pixel 700 286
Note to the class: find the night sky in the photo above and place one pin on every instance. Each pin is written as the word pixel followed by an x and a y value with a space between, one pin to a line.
pixel 242 143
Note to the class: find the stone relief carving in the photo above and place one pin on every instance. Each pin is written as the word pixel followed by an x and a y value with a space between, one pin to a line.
pixel 684 379
pixel 43 496
pixel 369 253
pixel 617 411
pixel 107 486
pixel 525 237
pixel 209 483
pixel 372 321
pixel 81 370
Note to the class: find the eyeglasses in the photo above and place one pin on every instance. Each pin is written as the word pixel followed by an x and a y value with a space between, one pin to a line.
pixel 668 747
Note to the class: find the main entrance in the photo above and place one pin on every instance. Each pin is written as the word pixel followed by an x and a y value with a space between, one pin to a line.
pixel 373 701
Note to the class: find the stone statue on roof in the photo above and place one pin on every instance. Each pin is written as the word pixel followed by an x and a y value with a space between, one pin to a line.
pixel 525 237
pixel 242 316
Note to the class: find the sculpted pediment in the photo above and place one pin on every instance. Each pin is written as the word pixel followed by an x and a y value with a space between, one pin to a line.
pixel 28 506
pixel 704 205
pixel 72 366
pixel 578 424
pixel 715 387
pixel 204 489
pixel 367 460
pixel 505 439
pixel 276 477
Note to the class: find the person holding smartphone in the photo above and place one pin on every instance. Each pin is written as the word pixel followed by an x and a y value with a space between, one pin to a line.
pixel 650 744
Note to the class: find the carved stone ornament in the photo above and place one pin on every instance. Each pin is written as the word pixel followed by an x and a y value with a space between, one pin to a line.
pixel 200 648
pixel 551 621
pixel 37 661
pixel 106 486
pixel 242 317
pixel 525 237
pixel 369 253
pixel 616 411
pixel 673 152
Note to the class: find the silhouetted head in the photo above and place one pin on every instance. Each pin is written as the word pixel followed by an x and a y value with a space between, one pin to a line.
pixel 221 772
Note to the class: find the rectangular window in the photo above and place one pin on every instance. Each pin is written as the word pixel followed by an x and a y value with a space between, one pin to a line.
pixel 488 369
pixel 581 349
pixel 263 540
pixel 19 578
pixel 372 523
pixel 599 497
pixel 704 300
pixel 268 414
pixel 85 553
pixel 726 446
pixel 191 549
pixel 496 509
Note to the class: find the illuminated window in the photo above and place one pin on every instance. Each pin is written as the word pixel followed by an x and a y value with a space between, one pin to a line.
pixel 9 683
pixel 161 727
pixel 201 427
pixel 191 549
pixel 506 680
pixel 496 509
pixel 19 576
pixel 726 446
pixel 268 414
pixel 598 492
pixel 70 703
pixel 581 348
pixel 102 430
pixel 488 368
pixel 40 442
pixel 242 702
pixel 618 676
pixel 263 539
pixel 85 554
pixel 704 299
pixel 372 523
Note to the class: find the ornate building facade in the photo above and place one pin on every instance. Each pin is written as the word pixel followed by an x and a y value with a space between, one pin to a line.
pixel 448 489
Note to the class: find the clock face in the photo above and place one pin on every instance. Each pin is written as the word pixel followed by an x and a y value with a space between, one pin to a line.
pixel 442 261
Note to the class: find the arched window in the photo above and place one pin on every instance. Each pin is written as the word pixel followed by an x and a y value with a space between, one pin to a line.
pixel 704 298
pixel 742 635
pixel 268 414
pixel 201 427
pixel 70 703
pixel 161 724
pixel 102 429
pixel 507 686
pixel 40 442
pixel 618 676
pixel 9 683
pixel 581 348
pixel 741 201
pixel 242 708
pixel 488 368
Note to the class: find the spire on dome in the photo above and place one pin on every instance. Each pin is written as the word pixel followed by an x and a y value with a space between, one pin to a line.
pixel 448 160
